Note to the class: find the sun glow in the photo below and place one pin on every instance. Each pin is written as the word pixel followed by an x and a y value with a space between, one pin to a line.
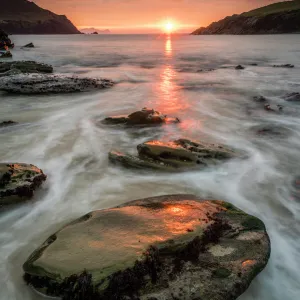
pixel 169 27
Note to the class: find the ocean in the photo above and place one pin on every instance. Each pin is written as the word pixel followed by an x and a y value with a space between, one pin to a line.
pixel 190 77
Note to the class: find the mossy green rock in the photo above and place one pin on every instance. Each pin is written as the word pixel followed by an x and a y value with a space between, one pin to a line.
pixel 18 182
pixel 177 155
pixel 163 248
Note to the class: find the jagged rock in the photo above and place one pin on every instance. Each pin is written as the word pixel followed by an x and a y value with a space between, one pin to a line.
pixel 45 84
pixel 268 107
pixel 7 123
pixel 288 66
pixel 18 182
pixel 142 117
pixel 30 45
pixel 239 67
pixel 5 54
pixel 260 99
pixel 5 41
pixel 293 97
pixel 163 248
pixel 179 155
pixel 25 67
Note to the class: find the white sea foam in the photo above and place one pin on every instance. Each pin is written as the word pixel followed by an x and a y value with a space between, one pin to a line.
pixel 60 135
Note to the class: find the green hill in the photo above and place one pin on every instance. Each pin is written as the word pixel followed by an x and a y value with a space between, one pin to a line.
pixel 282 17
pixel 274 8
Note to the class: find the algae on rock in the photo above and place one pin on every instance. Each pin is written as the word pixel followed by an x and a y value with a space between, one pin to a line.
pixel 168 247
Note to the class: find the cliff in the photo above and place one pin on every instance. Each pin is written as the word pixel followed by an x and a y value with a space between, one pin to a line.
pixel 25 17
pixel 282 17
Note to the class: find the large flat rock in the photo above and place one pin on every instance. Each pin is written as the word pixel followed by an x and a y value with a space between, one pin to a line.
pixel 174 156
pixel 163 248
pixel 18 182
pixel 47 84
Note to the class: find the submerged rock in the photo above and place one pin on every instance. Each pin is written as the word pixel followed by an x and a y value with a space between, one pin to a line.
pixel 239 67
pixel 18 182
pixel 30 45
pixel 260 99
pixel 292 97
pixel 142 117
pixel 272 130
pixel 178 155
pixel 162 248
pixel 25 67
pixel 288 66
pixel 7 123
pixel 44 84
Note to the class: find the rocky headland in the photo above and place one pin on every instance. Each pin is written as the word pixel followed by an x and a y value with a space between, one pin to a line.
pixel 282 17
pixel 25 17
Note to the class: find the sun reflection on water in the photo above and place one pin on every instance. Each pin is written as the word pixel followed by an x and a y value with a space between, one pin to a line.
pixel 169 99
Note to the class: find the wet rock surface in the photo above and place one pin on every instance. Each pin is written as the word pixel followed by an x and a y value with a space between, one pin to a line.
pixel 163 248
pixel 6 54
pixel 25 67
pixel 7 123
pixel 46 84
pixel 271 130
pixel 18 182
pixel 178 155
pixel 288 66
pixel 292 97
pixel 239 67
pixel 5 40
pixel 30 45
pixel 142 117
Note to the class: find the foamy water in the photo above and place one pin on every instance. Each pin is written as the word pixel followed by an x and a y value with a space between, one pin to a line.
pixel 60 135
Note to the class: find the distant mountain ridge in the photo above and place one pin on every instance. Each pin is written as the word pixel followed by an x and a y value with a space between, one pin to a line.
pixel 281 17
pixel 25 17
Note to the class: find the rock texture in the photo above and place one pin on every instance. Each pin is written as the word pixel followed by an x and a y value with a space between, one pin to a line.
pixel 46 84
pixel 7 123
pixel 5 40
pixel 24 67
pixel 292 97
pixel 18 182
pixel 162 248
pixel 179 155
pixel 5 54
pixel 30 45
pixel 282 17
pixel 142 117
pixel 25 17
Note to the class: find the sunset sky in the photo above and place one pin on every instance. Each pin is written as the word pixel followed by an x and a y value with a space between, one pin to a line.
pixel 138 16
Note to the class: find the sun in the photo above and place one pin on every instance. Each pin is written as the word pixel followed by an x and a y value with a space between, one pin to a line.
pixel 169 27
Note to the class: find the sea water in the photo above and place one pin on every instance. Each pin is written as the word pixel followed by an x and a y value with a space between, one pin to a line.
pixel 190 77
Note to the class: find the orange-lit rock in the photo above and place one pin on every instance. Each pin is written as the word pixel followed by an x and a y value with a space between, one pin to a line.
pixel 141 118
pixel 176 155
pixel 164 247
